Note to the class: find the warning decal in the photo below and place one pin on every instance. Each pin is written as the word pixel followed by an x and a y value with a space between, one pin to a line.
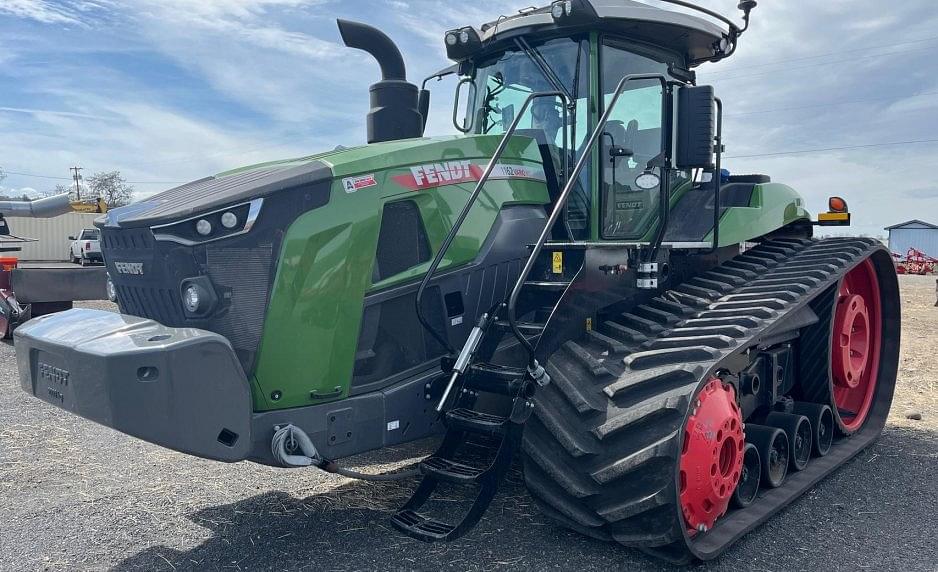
pixel 354 184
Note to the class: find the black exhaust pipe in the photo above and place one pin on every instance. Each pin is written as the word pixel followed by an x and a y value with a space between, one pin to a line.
pixel 395 108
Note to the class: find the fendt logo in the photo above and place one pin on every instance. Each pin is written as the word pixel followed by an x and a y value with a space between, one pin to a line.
pixel 442 173
pixel 454 172
pixel 131 268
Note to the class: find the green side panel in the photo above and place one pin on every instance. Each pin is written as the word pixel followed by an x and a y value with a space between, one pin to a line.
pixel 325 268
pixel 772 207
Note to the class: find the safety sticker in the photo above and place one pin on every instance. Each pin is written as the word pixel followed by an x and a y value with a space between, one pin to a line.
pixel 355 184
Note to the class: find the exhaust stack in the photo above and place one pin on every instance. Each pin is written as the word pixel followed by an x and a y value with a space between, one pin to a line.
pixel 395 112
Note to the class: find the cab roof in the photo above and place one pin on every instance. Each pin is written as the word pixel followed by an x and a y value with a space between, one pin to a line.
pixel 697 38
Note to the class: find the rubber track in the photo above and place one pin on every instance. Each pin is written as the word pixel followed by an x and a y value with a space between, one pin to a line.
pixel 601 452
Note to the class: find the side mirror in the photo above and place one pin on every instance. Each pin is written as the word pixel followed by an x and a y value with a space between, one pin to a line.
pixel 465 124
pixel 73 238
pixel 696 128
pixel 423 106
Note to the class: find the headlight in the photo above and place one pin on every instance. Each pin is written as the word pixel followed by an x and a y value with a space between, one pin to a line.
pixel 452 39
pixel 199 299
pixel 192 299
pixel 111 290
pixel 229 220
pixel 209 227
pixel 203 227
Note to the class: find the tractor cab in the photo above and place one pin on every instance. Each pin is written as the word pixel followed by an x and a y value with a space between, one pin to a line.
pixel 579 51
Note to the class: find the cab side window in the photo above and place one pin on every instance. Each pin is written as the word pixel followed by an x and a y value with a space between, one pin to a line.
pixel 631 145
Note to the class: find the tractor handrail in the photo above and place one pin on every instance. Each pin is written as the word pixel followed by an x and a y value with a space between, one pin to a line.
pixel 473 197
pixel 585 157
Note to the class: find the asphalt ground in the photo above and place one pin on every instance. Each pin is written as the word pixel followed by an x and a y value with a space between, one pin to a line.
pixel 78 496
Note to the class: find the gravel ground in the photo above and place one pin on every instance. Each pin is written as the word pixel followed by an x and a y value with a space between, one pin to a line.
pixel 77 496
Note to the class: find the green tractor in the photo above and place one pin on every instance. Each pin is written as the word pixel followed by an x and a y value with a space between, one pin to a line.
pixel 573 280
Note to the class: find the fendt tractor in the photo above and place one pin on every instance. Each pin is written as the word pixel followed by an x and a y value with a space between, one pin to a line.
pixel 574 279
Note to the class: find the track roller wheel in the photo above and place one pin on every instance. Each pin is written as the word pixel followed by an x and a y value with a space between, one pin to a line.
pixel 855 347
pixel 822 423
pixel 711 456
pixel 800 437
pixel 748 488
pixel 772 444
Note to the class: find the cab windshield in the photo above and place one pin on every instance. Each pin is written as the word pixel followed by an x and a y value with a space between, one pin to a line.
pixel 503 83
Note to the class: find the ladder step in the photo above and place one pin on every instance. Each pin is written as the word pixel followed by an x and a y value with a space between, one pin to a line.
pixel 527 328
pixel 555 286
pixel 498 379
pixel 420 527
pixel 475 421
pixel 450 471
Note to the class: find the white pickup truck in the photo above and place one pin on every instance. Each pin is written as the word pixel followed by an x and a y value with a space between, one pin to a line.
pixel 86 247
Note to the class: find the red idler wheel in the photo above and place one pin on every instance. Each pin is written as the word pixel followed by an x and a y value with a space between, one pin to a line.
pixel 855 346
pixel 711 456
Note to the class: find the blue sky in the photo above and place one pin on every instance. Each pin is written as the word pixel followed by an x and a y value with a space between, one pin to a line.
pixel 172 90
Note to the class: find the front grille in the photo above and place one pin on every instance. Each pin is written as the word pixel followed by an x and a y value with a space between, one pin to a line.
pixel 131 241
pixel 245 273
pixel 160 304
pixel 240 268
pixel 241 278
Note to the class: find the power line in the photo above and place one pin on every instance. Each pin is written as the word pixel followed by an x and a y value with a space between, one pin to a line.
pixel 35 176
pixel 833 104
pixel 824 55
pixel 845 148
pixel 832 62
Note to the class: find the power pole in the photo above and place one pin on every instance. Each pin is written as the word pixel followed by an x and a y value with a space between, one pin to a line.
pixel 76 174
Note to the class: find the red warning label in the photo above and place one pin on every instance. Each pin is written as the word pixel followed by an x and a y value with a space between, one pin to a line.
pixel 354 184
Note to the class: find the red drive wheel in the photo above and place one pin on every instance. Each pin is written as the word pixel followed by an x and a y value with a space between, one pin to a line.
pixel 855 346
pixel 711 457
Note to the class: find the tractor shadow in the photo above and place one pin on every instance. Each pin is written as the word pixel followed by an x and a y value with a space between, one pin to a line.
pixel 347 527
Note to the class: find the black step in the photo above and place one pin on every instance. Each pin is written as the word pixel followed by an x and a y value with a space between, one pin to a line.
pixel 475 421
pixel 558 285
pixel 526 328
pixel 450 471
pixel 420 527
pixel 491 378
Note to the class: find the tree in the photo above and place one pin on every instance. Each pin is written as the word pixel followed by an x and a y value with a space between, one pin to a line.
pixel 111 187
pixel 60 189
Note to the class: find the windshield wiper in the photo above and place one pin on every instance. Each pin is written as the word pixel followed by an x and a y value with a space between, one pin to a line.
pixel 536 57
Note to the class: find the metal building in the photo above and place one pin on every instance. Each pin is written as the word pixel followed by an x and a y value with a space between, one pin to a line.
pixel 914 234
pixel 52 235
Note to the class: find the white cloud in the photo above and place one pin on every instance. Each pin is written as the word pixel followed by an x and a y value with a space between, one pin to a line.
pixel 40 11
